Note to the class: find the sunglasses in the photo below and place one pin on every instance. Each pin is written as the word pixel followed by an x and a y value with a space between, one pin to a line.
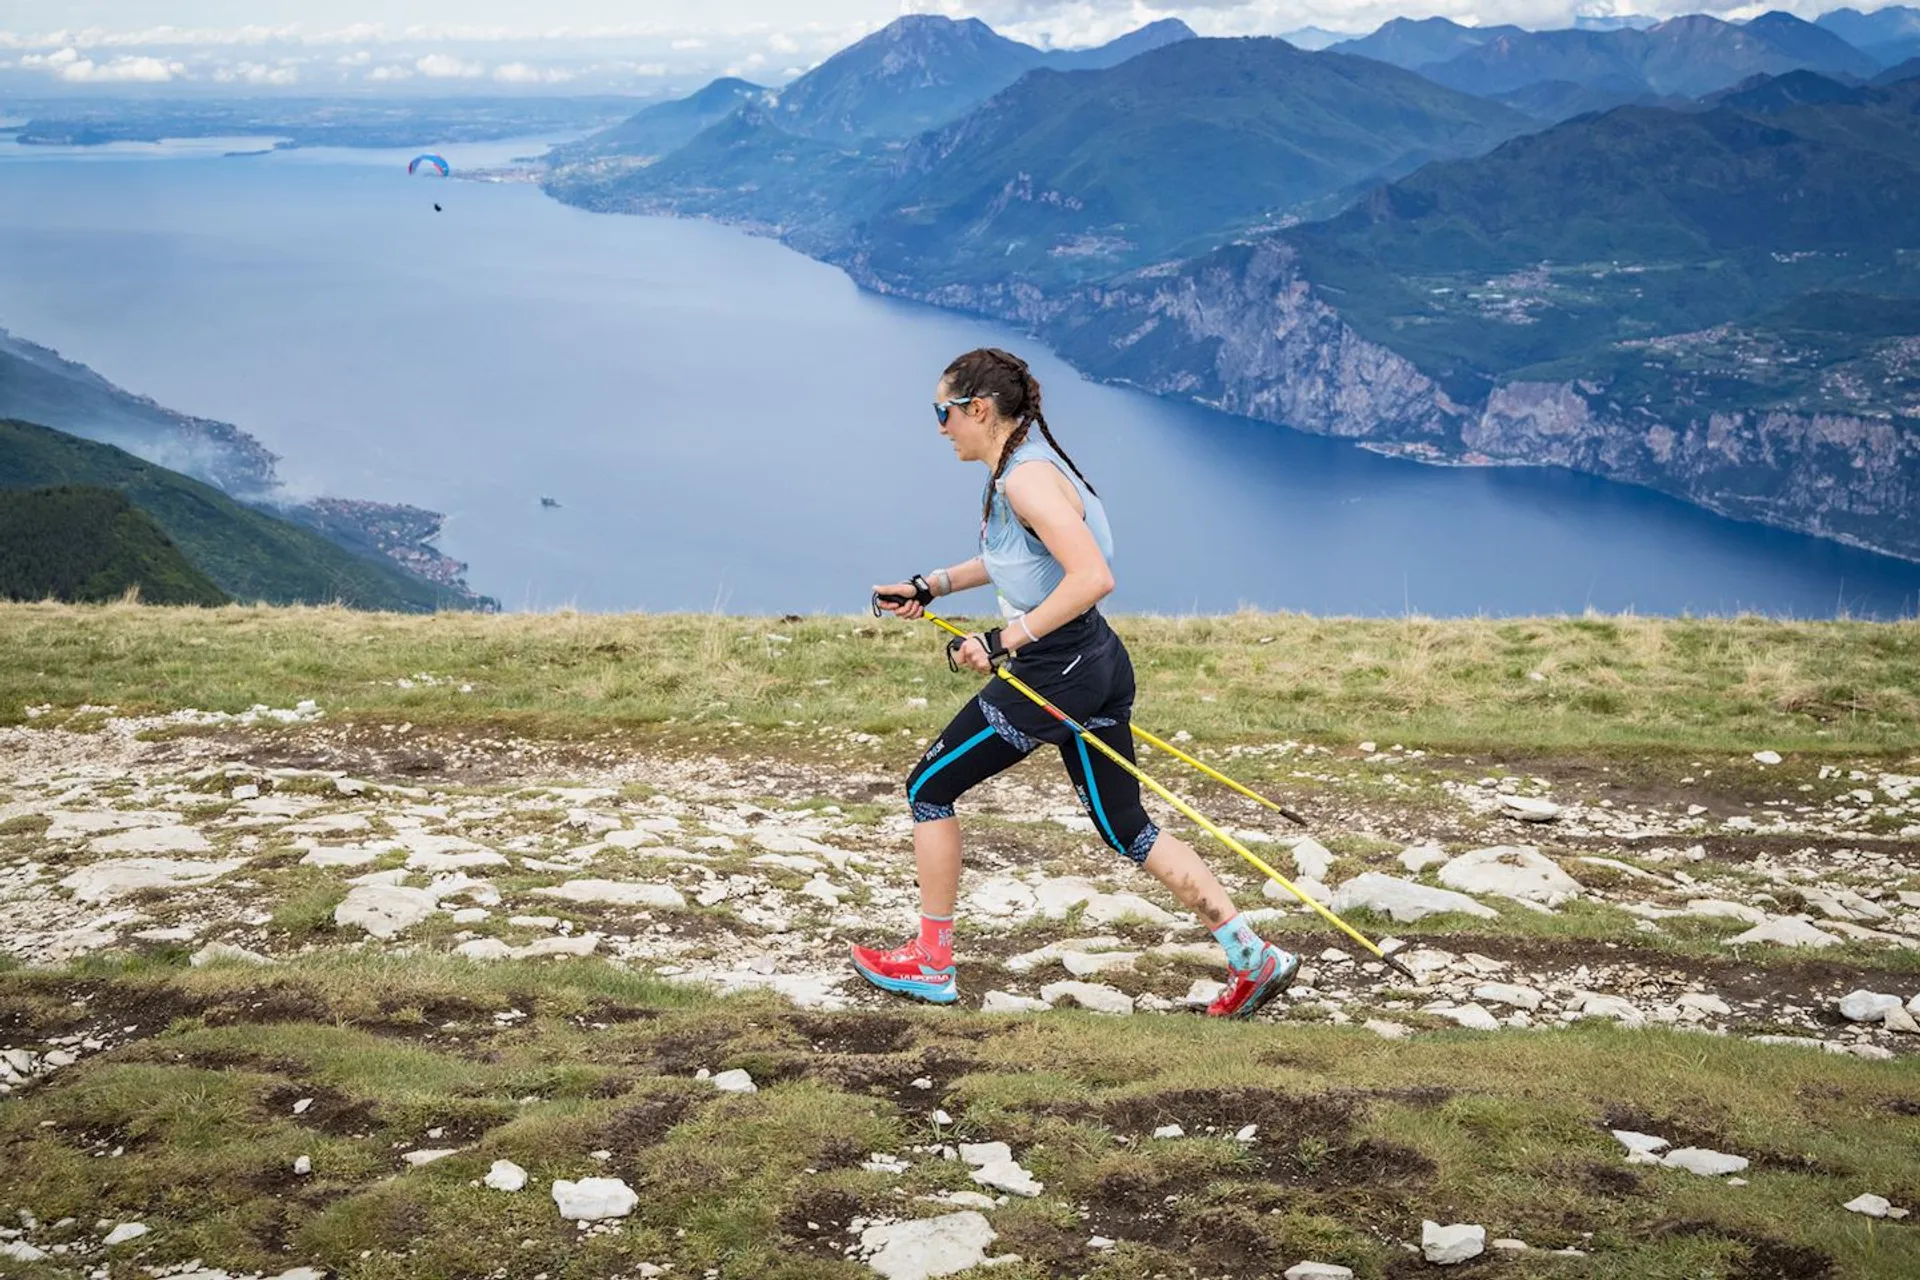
pixel 940 407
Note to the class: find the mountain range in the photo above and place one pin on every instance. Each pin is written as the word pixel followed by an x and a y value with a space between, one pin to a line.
pixel 1707 291
pixel 1685 56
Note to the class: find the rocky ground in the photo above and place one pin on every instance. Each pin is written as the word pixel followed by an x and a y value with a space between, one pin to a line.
pixel 1753 897
pixel 1734 898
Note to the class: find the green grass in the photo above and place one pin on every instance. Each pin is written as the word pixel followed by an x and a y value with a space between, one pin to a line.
pixel 1358 1139
pixel 249 554
pixel 1611 683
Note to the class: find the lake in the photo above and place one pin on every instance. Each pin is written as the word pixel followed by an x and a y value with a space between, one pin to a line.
pixel 726 424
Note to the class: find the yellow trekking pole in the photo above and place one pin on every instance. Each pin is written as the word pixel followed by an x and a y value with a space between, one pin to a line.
pixel 1182 806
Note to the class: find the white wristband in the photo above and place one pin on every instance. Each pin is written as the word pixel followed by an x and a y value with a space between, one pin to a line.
pixel 946 581
pixel 1031 638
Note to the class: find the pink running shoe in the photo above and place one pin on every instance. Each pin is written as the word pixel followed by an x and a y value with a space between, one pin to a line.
pixel 907 971
pixel 1250 990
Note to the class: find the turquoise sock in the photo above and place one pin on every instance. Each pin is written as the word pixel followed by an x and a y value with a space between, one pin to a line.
pixel 1242 945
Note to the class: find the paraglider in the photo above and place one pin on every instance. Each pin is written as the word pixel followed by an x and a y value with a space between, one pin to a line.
pixel 433 161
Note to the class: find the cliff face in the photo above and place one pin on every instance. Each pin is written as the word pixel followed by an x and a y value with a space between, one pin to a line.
pixel 1243 331
pixel 1855 479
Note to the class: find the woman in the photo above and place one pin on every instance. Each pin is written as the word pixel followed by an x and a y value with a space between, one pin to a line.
pixel 1044 546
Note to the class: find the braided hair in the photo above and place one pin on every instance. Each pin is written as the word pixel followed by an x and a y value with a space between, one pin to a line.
pixel 991 372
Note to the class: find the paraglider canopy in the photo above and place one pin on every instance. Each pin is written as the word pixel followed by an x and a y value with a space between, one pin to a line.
pixel 430 160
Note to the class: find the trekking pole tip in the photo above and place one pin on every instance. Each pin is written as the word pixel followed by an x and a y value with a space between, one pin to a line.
pixel 1399 967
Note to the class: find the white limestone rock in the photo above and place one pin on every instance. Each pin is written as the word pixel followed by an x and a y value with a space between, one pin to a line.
pixel 926 1248
pixel 1008 1002
pixel 1202 993
pixel 1318 1271
pixel 1082 964
pixel 1111 908
pixel 124 1232
pixel 342 856
pixel 1512 871
pixel 1311 858
pixel 428 1155
pixel 1520 997
pixel 105 881
pixel 1640 1143
pixel 981 1154
pixel 384 910
pixel 1471 1016
pixel 1421 856
pixel 1706 1163
pixel 1592 1004
pixel 166 839
pixel 1401 900
pixel 1867 1006
pixel 594 1199
pixel 1059 895
pixel 226 951
pixel 1449 1245
pixel 1720 907
pixel 1530 809
pixel 735 1081
pixel 1003 898
pixel 1871 1205
pixel 1008 1176
pixel 1786 931
pixel 618 892
pixel 1843 904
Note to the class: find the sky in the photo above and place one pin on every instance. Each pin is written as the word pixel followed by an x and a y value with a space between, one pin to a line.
pixel 657 46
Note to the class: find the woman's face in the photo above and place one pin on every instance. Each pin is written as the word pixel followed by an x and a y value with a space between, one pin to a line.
pixel 966 425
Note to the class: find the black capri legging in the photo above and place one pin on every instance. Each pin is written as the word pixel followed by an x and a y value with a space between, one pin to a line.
pixel 1083 669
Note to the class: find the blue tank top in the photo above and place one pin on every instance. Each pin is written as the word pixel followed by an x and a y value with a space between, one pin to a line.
pixel 1023 571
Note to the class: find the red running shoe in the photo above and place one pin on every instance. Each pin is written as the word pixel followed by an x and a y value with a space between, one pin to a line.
pixel 907 971
pixel 1250 990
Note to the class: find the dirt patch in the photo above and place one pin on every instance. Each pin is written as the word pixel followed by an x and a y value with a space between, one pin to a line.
pixel 646 1123
pixel 855 1033
pixel 1778 1260
pixel 1301 1141
pixel 1766 1257
pixel 1229 1110
pixel 331 1112
pixel 274 1004
pixel 819 1221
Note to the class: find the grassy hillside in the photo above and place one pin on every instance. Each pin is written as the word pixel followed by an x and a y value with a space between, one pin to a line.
pixel 331 1099
pixel 1636 224
pixel 1606 683
pixel 248 553
pixel 1067 175
pixel 83 544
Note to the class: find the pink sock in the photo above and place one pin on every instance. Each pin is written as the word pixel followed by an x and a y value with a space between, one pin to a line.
pixel 936 939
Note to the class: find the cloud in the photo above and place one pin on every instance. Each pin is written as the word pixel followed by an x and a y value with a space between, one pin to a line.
pixel 68 65
pixel 687 44
pixel 521 73
pixel 389 74
pixel 444 66
pixel 358 58
pixel 258 73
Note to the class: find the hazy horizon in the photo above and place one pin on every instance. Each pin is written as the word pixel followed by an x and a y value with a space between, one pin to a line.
pixel 51 48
